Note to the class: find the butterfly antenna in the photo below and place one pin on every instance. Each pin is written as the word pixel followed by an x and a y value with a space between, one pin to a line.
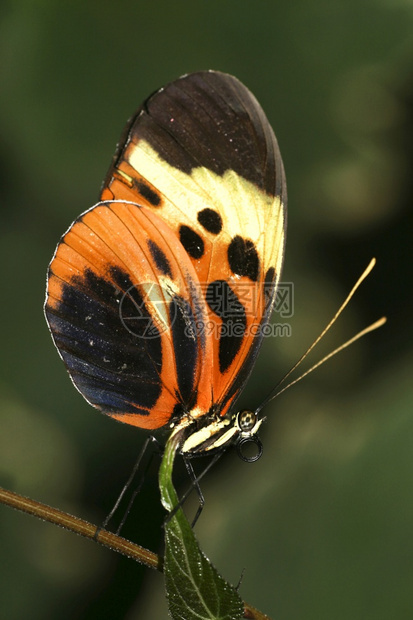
pixel 276 391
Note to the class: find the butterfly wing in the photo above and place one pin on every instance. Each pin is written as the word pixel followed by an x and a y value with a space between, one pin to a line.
pixel 201 154
pixel 123 307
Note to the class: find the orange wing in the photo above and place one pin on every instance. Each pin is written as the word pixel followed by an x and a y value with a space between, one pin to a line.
pixel 201 154
pixel 125 311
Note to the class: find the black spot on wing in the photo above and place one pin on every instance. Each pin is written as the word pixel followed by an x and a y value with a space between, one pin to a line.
pixel 186 348
pixel 269 282
pixel 210 220
pixel 243 258
pixel 191 241
pixel 225 304
pixel 113 366
pixel 244 372
pixel 147 192
pixel 270 275
pixel 160 259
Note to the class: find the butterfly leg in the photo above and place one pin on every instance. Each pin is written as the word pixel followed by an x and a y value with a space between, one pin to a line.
pixel 195 485
pixel 150 441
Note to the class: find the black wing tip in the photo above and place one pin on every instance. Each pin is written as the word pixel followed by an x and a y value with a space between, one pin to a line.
pixel 209 107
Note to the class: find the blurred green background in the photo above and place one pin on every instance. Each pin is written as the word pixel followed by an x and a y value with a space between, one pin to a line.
pixel 322 524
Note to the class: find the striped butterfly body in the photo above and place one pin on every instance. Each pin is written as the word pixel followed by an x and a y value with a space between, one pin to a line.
pixel 157 296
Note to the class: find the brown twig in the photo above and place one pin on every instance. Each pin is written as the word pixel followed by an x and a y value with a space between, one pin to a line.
pixel 88 530
pixel 253 614
pixel 79 526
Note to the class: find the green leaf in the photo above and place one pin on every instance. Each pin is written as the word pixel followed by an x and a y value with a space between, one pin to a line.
pixel 194 588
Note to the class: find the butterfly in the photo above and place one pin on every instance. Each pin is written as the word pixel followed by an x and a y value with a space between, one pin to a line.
pixel 157 296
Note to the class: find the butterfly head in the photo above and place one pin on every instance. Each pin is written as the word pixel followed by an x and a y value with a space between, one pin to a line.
pixel 248 425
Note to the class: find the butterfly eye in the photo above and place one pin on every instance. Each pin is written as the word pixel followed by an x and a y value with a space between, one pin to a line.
pixel 246 420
